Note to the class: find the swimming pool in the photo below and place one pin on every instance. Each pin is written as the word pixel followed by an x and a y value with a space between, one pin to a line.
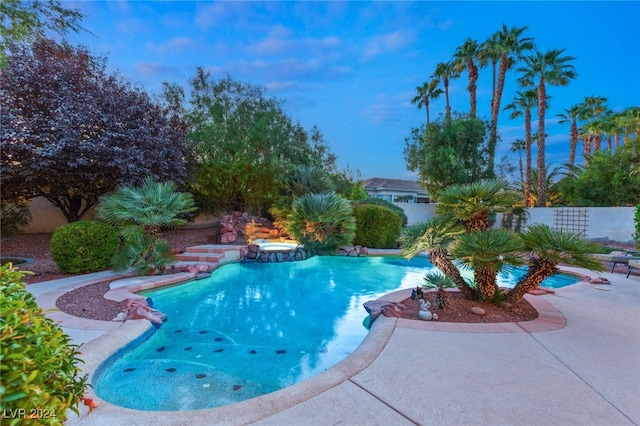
pixel 251 329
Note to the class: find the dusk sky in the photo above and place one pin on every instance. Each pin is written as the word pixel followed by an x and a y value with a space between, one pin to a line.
pixel 352 68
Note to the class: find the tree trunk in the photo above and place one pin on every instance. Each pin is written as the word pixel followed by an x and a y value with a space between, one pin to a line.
pixel 495 111
pixel 527 148
pixel 539 269
pixel 440 259
pixel 473 88
pixel 573 142
pixel 486 282
pixel 542 173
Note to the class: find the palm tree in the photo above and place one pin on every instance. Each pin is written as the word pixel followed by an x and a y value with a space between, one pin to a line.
pixel 510 44
pixel 486 252
pixel 549 68
pixel 471 203
pixel 548 248
pixel 571 115
pixel 550 184
pixel 490 53
pixel 140 213
pixel 434 237
pixel 322 222
pixel 428 90
pixel 444 72
pixel 518 146
pixel 465 58
pixel 522 104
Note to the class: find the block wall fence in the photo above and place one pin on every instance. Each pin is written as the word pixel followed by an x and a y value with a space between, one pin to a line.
pixel 595 223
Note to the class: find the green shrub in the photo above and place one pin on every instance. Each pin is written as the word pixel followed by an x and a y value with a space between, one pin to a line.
pixel 13 216
pixel 376 226
pixel 322 222
pixel 384 203
pixel 85 246
pixel 39 368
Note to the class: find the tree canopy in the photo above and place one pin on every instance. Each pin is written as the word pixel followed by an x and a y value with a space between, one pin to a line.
pixel 449 152
pixel 71 132
pixel 244 143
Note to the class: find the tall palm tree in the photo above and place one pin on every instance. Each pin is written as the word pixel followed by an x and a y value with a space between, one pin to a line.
pixel 550 184
pixel 428 90
pixel 465 58
pixel 571 115
pixel 445 71
pixel 518 146
pixel 549 247
pixel 553 69
pixel 490 53
pixel 522 104
pixel 486 252
pixel 511 45
pixel 435 236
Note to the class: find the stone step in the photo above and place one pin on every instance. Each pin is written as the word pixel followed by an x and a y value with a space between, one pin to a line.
pixel 184 264
pixel 209 248
pixel 200 257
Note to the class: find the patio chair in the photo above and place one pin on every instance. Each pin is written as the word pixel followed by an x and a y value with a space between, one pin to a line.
pixel 633 264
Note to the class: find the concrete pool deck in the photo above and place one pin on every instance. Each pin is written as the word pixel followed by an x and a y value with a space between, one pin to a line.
pixel 578 364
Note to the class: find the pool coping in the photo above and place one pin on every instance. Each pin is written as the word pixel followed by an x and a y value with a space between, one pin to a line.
pixel 120 335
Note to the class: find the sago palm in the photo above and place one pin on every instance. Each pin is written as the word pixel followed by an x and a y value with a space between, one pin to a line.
pixel 471 203
pixel 441 282
pixel 486 252
pixel 434 237
pixel 548 248
pixel 322 222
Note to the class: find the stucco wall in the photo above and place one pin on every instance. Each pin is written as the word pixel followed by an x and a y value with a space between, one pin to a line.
pixel 613 223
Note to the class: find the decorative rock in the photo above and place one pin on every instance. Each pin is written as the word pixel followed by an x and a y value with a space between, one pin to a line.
pixel 600 280
pixel 505 304
pixel 478 311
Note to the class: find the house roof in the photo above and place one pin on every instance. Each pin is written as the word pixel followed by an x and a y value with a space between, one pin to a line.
pixel 382 184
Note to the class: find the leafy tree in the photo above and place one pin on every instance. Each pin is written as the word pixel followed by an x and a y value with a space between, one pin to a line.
pixel 26 21
pixel 607 180
pixel 140 213
pixel 71 133
pixel 243 142
pixel 450 152
pixel 384 203
pixel 322 222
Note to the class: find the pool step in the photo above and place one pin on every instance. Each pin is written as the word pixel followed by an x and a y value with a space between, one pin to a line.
pixel 200 257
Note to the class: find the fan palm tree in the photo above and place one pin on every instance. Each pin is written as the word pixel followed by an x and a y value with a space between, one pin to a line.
pixel 445 71
pixel 517 147
pixel 140 213
pixel 428 90
pixel 548 248
pixel 471 203
pixel 510 45
pixel 465 58
pixel 571 115
pixel 434 237
pixel 550 184
pixel 486 252
pixel 440 281
pixel 553 69
pixel 522 104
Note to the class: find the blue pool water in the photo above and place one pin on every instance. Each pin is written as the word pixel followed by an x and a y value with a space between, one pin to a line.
pixel 253 328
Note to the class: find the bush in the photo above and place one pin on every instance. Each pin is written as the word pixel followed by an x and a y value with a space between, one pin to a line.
pixel 39 368
pixel 13 216
pixel 384 203
pixel 85 246
pixel 322 222
pixel 376 226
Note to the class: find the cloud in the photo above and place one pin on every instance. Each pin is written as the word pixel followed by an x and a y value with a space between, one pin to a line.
pixel 176 44
pixel 151 69
pixel 390 42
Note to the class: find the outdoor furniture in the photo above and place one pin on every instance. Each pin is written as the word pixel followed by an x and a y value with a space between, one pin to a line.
pixel 633 263
pixel 622 258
